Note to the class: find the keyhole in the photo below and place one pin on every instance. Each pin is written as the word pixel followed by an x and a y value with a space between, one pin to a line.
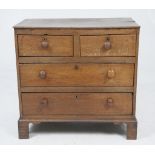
pixel 76 96
pixel 44 39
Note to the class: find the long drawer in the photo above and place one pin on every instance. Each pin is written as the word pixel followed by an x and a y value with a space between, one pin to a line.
pixel 77 103
pixel 76 74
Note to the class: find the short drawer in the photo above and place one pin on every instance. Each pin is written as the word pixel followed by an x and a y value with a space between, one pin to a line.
pixel 77 103
pixel 77 74
pixel 36 45
pixel 108 45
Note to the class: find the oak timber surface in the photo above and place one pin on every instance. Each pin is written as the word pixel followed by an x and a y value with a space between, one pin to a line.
pixel 77 70
pixel 78 23
pixel 77 74
pixel 77 103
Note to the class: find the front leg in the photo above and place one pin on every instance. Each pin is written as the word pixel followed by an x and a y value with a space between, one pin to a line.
pixel 132 130
pixel 23 129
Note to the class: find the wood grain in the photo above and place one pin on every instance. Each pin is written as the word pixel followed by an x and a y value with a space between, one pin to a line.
pixel 121 45
pixel 77 89
pixel 69 75
pixel 40 60
pixel 57 45
pixel 79 118
pixel 77 103
pixel 78 23
pixel 23 128
pixel 132 130
pixel 77 70
pixel 62 31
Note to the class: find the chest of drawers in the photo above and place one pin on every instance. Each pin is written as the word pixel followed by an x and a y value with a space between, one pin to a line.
pixel 77 70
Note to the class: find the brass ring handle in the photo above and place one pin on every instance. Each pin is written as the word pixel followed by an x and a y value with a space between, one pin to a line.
pixel 107 44
pixel 42 74
pixel 109 102
pixel 44 43
pixel 111 73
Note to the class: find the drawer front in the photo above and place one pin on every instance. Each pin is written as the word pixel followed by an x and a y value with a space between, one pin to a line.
pixel 36 45
pixel 77 103
pixel 108 45
pixel 76 74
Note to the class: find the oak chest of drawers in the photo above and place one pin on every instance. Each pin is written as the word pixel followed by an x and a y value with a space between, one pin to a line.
pixel 77 70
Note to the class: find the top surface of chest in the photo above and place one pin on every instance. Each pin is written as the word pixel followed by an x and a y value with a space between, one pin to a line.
pixel 78 23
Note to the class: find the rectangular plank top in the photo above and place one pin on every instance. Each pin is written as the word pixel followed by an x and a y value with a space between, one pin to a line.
pixel 78 23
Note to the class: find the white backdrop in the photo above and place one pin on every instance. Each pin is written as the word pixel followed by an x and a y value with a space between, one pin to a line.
pixel 77 133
